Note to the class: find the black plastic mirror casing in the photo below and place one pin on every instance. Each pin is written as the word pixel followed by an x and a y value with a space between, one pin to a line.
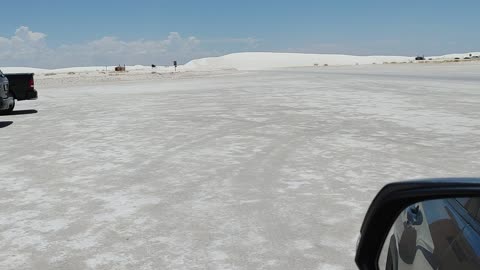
pixel 392 200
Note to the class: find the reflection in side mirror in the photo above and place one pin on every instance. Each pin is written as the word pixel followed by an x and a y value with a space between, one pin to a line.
pixel 434 234
pixel 422 224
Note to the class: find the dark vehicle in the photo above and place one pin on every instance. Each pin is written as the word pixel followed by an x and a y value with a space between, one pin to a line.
pixel 420 58
pixel 18 86
pixel 424 224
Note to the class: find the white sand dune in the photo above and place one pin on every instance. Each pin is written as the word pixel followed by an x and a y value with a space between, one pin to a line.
pixel 138 68
pixel 248 61
pixel 455 55
pixel 268 60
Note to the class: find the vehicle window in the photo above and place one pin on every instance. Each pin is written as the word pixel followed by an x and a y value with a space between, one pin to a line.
pixel 462 201
pixel 472 205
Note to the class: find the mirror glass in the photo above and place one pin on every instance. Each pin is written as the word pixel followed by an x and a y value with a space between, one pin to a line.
pixel 435 234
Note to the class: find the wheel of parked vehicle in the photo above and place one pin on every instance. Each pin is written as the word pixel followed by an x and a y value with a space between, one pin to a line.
pixel 9 110
pixel 12 106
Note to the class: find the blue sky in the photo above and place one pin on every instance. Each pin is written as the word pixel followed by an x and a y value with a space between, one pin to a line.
pixel 218 27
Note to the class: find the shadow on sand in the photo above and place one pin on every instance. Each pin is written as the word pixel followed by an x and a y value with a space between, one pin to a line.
pixel 21 112
pixel 5 123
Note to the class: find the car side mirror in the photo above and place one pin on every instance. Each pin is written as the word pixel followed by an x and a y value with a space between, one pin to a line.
pixel 406 205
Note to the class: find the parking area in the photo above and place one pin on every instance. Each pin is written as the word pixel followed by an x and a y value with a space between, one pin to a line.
pixel 244 170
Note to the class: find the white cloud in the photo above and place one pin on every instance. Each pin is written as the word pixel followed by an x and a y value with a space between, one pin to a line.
pixel 24 34
pixel 25 44
pixel 28 48
pixel 112 50
pixel 251 42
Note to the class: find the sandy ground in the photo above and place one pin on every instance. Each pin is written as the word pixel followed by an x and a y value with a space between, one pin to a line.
pixel 232 170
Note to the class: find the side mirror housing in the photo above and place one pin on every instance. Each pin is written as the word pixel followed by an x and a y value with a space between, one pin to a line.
pixel 396 197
